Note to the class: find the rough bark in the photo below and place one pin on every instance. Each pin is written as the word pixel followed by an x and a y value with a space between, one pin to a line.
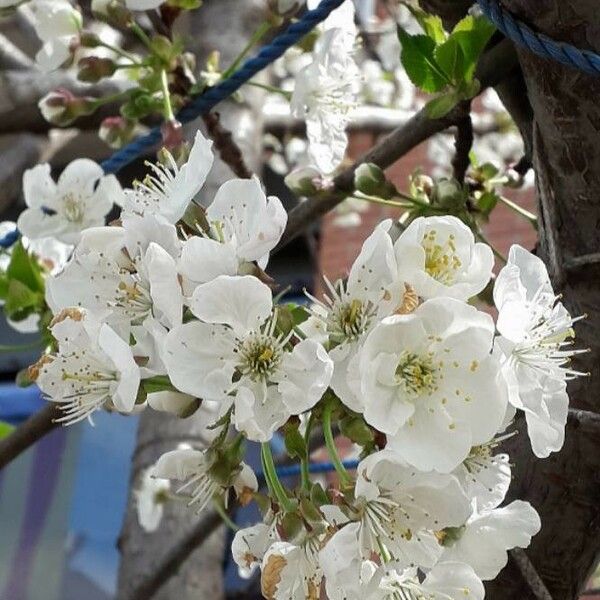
pixel 225 25
pixel 565 488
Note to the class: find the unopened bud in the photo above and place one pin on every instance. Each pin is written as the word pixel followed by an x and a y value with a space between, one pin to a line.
pixel 423 183
pixel 87 39
pixel 113 12
pixel 370 179
pixel 93 68
pixel 449 194
pixel 305 181
pixel 61 107
pixel 172 134
pixel 116 131
pixel 285 8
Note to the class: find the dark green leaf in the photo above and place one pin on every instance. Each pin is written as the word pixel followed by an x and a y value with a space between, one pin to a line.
pixel 294 442
pixel 451 60
pixel 21 301
pixel 25 268
pixel 355 429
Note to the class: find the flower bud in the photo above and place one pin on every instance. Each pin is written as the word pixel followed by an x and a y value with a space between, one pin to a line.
pixel 116 131
pixel 285 8
pixel 93 68
pixel 305 181
pixel 370 179
pixel 449 194
pixel 172 134
pixel 61 107
pixel 113 12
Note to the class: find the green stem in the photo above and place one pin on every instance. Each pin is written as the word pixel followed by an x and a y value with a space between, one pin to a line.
pixel 270 88
pixel 168 108
pixel 224 516
pixel 262 30
pixel 304 472
pixel 271 477
pixel 521 211
pixel 383 202
pixel 120 52
pixel 496 252
pixel 142 35
pixel 331 447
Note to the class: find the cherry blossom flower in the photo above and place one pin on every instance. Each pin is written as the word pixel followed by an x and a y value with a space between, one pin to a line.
pixel 93 368
pixel 235 354
pixel 81 198
pixel 58 25
pixel 484 540
pixel 430 383
pixel 150 498
pixel 195 468
pixel 536 332
pixel 438 256
pixel 250 544
pixel 169 189
pixel 244 226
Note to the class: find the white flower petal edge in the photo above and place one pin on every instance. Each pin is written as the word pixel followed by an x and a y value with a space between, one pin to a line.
pixel 149 500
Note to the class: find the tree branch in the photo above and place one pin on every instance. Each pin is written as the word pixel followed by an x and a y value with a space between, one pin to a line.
pixel 496 64
pixel 537 586
pixel 463 142
pixel 12 57
pixel 24 436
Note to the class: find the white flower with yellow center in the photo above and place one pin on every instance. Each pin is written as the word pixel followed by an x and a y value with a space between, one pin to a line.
pixel 438 256
pixel 129 270
pixel 235 354
pixel 351 309
pixel 169 189
pixel 244 226
pixel 81 198
pixel 201 484
pixel 536 336
pixel 250 544
pixel 431 384
pixel 93 368
pixel 398 509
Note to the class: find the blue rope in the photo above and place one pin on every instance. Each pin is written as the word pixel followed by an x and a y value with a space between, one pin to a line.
pixel 538 43
pixel 315 468
pixel 206 101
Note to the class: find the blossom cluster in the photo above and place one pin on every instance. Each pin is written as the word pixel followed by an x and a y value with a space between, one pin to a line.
pixel 169 308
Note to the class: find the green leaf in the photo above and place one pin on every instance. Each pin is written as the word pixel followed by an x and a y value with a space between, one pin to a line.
pixel 441 105
pixel 5 429
pixel 21 301
pixel 472 34
pixel 356 430
pixel 419 62
pixel 25 268
pixel 294 442
pixel 451 60
pixel 487 202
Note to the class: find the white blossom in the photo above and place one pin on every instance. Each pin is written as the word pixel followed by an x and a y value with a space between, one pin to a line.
pixel 249 546
pixel 81 198
pixel 244 225
pixel 325 91
pixel 169 189
pixel 236 355
pixel 57 24
pixel 536 331
pixel 150 500
pixel 438 256
pixel 429 381
pixel 487 536
pixel 93 368
pixel 194 468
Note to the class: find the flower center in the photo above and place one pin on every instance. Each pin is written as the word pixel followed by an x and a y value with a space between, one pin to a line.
pixel 441 260
pixel 133 298
pixel 72 209
pixel 260 355
pixel 416 374
pixel 348 320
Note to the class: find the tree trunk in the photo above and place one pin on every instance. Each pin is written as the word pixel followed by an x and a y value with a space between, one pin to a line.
pixel 224 25
pixel 565 488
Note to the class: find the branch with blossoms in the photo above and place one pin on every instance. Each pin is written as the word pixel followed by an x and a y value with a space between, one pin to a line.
pixel 170 308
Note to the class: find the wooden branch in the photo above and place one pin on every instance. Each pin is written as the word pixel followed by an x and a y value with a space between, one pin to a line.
pixel 24 436
pixel 494 65
pixel 226 146
pixel 12 57
pixel 463 142
pixel 537 586
pixel 584 421
pixel 175 557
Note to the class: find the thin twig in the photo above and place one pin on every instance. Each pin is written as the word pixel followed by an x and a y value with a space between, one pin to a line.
pixel 584 420
pixel 531 576
pixel 29 432
pixel 495 64
pixel 226 146
pixel 463 142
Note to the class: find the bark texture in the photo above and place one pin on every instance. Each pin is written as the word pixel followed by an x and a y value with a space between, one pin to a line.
pixel 565 488
pixel 224 25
